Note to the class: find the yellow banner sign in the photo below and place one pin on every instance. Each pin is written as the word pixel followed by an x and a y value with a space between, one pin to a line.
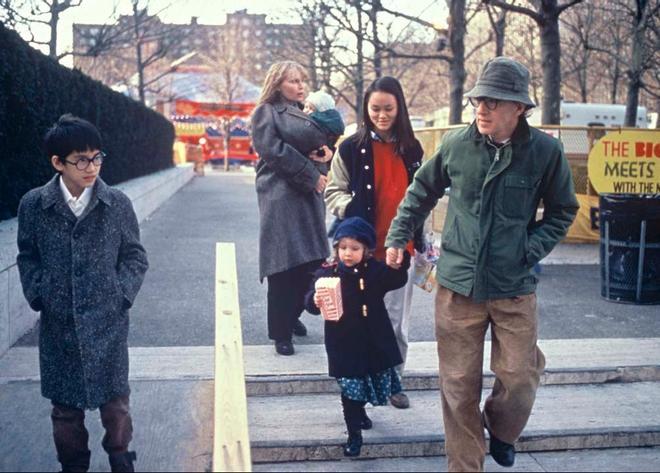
pixel 626 162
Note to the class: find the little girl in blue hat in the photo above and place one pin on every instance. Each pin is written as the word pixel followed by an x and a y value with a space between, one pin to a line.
pixel 361 346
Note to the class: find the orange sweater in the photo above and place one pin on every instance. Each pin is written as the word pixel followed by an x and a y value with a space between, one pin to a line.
pixel 390 182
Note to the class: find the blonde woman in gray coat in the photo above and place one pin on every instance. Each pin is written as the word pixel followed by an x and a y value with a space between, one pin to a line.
pixel 292 234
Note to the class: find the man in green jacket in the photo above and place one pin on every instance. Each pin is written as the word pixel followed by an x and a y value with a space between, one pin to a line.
pixel 499 170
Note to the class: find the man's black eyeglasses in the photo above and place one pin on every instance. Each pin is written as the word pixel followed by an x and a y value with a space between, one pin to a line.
pixel 83 163
pixel 491 104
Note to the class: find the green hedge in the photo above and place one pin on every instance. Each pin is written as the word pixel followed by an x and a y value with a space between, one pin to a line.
pixel 35 91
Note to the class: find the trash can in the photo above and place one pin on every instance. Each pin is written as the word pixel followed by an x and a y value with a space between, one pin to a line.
pixel 630 248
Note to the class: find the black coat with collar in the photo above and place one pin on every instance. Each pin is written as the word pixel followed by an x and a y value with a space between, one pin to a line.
pixel 357 345
pixel 359 161
pixel 82 274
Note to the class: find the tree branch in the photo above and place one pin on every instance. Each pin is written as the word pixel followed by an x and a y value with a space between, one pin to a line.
pixel 561 8
pixel 411 18
pixel 480 45
pixel 516 9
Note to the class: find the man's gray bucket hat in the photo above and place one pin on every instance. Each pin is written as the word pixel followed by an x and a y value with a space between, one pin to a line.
pixel 503 78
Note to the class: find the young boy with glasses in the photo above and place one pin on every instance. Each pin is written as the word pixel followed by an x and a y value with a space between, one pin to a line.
pixel 81 265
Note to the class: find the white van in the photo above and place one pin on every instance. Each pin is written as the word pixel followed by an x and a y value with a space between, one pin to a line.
pixel 594 114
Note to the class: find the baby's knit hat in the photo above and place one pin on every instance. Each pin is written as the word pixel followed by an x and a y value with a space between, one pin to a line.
pixel 321 101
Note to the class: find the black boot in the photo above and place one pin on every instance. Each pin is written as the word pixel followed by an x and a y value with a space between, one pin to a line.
pixel 80 464
pixel 71 437
pixel 122 462
pixel 366 423
pixel 353 444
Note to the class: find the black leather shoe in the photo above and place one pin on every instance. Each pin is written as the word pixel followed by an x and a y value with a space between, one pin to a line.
pixel 503 453
pixel 353 444
pixel 284 348
pixel 366 423
pixel 299 329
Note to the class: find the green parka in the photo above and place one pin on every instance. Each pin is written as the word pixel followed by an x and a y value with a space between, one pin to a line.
pixel 491 238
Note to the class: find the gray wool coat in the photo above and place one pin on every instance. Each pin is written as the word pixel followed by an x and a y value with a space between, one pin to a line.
pixel 292 214
pixel 82 274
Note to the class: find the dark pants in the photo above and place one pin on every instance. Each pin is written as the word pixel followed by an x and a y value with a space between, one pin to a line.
pixel 286 298
pixel 354 413
pixel 71 436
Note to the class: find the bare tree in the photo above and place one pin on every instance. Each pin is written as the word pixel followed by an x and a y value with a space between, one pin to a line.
pixel 615 35
pixel 137 50
pixel 546 15
pixel 229 82
pixel 497 19
pixel 581 25
pixel 350 17
pixel 634 45
pixel 314 48
pixel 33 13
pixel 9 15
pixel 459 17
pixel 644 53
pixel 376 7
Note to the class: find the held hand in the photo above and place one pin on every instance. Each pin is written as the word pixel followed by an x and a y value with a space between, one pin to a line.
pixel 394 257
pixel 327 155
pixel 321 183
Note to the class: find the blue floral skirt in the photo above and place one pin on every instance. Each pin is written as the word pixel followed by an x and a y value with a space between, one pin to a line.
pixel 375 389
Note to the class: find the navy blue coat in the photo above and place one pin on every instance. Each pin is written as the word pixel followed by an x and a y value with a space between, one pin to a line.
pixel 82 274
pixel 357 345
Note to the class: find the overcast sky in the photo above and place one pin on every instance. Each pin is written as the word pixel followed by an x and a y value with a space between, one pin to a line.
pixel 208 12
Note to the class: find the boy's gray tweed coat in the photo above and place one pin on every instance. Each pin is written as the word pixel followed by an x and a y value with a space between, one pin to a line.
pixel 292 214
pixel 83 275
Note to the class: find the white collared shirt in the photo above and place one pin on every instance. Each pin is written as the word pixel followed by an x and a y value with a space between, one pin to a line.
pixel 77 205
pixel 498 144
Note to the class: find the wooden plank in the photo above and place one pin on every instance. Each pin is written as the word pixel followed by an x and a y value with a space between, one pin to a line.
pixel 231 442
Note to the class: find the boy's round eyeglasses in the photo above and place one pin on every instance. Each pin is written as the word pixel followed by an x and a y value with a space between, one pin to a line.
pixel 491 104
pixel 82 163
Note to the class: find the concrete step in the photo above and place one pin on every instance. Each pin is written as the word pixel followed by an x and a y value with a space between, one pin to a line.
pixel 616 459
pixel 579 361
pixel 310 427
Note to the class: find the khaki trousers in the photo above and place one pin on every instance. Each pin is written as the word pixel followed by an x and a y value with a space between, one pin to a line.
pixel 516 360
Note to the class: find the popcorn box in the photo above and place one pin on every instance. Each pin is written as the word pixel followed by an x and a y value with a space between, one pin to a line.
pixel 329 289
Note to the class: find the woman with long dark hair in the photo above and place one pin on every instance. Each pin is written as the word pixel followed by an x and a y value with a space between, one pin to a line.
pixel 369 177
pixel 292 235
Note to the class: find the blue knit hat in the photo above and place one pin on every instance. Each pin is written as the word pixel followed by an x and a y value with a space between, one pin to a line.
pixel 357 228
